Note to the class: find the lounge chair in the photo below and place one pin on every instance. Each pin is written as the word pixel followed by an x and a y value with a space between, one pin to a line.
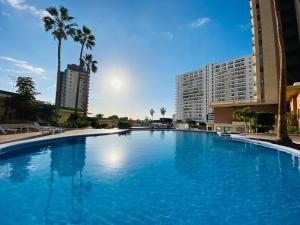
pixel 6 130
pixel 38 127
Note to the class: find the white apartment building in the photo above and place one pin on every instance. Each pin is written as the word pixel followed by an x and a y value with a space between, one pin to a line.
pixel 69 79
pixel 232 81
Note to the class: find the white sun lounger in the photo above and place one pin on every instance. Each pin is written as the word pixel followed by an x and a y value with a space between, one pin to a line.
pixel 5 130
pixel 36 126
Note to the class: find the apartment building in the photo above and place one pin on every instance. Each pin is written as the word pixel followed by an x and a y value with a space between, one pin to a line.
pixel 266 58
pixel 265 48
pixel 69 79
pixel 228 81
pixel 234 81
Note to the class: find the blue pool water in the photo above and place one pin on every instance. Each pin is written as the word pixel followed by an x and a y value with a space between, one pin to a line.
pixel 150 178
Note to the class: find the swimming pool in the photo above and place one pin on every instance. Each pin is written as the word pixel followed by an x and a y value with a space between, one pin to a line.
pixel 150 177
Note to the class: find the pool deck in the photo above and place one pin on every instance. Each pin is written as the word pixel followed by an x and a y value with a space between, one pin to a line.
pixel 32 137
pixel 271 137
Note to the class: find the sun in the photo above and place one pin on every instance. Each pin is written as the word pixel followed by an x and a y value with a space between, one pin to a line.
pixel 116 83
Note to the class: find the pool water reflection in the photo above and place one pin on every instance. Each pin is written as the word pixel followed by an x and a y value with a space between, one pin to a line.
pixel 161 177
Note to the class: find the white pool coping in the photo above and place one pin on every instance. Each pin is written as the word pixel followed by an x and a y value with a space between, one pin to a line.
pixel 281 148
pixel 9 146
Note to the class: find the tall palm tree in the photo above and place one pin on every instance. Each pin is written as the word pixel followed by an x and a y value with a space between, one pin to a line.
pixel 59 23
pixel 87 40
pixel 163 111
pixel 152 113
pixel 282 133
pixel 89 65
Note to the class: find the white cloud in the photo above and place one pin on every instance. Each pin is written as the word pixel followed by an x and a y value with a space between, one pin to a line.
pixel 200 22
pixel 23 6
pixel 23 65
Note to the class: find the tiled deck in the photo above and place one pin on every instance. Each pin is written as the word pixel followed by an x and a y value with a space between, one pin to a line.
pixel 15 139
pixel 270 137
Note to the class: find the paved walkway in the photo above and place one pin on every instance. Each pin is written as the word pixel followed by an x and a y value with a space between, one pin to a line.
pixel 14 139
pixel 272 137
pixel 21 136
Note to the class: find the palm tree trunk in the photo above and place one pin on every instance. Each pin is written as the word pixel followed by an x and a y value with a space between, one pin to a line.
pixel 282 134
pixel 78 80
pixel 58 80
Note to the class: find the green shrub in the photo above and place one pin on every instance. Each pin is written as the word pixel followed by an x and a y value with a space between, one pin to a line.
pixel 292 129
pixel 75 121
pixel 124 124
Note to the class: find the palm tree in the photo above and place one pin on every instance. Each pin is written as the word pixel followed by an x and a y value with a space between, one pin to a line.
pixel 163 111
pixel 245 115
pixel 59 22
pixel 86 39
pixel 152 113
pixel 282 133
pixel 89 65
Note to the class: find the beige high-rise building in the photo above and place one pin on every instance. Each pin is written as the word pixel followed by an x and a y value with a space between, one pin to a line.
pixel 265 49
pixel 68 86
pixel 266 58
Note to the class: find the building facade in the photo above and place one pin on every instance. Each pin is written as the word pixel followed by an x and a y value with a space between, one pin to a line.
pixel 69 79
pixel 265 47
pixel 197 90
pixel 266 58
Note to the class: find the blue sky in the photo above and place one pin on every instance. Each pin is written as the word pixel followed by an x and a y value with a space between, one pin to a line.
pixel 143 44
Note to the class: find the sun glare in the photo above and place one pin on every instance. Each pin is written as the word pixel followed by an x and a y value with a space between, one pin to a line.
pixel 116 83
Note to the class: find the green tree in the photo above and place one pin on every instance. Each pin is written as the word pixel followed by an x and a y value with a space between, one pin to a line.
pixel 89 65
pixel 23 103
pixel 87 40
pixel 152 113
pixel 99 116
pixel 244 114
pixel 113 117
pixel 59 23
pixel 26 88
pixel 48 113
pixel 191 123
pixel 282 132
pixel 163 111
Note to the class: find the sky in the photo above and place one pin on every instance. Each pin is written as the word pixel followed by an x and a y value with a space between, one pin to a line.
pixel 141 46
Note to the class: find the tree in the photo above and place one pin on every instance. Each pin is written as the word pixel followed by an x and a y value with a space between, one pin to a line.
pixel 152 113
pixel 191 123
pixel 89 65
pixel 244 114
pixel 26 88
pixel 264 121
pixel 282 132
pixel 163 111
pixel 99 116
pixel 87 40
pixel 113 117
pixel 23 103
pixel 59 22
pixel 48 113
